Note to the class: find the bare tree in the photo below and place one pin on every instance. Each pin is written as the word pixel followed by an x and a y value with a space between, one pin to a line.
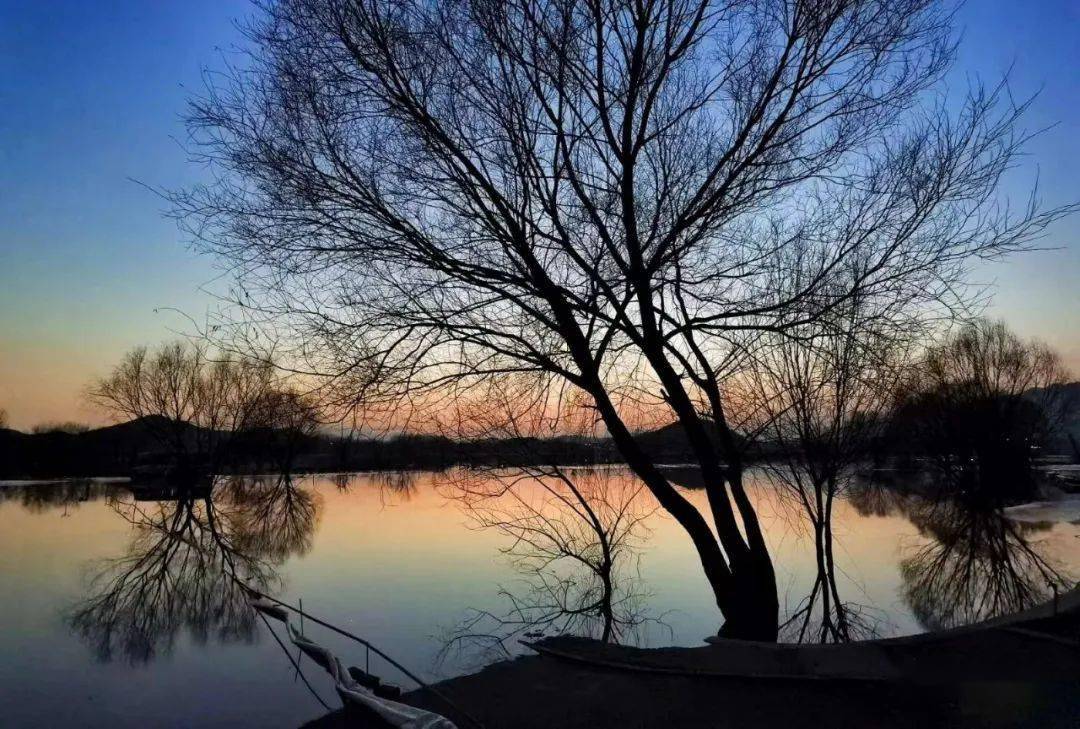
pixel 69 428
pixel 573 532
pixel 286 420
pixel 184 397
pixel 981 404
pixel 822 395
pixel 197 403
pixel 3 418
pixel 603 191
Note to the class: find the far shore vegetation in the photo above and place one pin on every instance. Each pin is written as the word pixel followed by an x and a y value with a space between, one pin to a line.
pixel 981 401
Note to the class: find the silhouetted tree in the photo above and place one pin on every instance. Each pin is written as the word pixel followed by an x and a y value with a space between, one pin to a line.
pixel 602 191
pixel 70 428
pixel 981 404
pixel 287 421
pixel 198 404
pixel 189 400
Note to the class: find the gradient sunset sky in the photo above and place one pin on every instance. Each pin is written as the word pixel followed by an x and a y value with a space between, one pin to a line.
pixel 91 95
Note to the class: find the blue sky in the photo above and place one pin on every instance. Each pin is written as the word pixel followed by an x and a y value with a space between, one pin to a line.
pixel 91 95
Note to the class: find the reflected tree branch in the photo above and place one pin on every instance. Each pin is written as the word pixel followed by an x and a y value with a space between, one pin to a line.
pixel 573 536
pixel 187 564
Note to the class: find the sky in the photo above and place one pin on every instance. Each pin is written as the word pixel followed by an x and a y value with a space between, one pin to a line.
pixel 91 99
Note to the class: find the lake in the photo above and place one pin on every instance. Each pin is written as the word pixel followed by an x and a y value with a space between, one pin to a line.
pixel 121 606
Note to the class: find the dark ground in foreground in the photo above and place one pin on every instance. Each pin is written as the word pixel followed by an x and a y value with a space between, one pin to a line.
pixel 1021 671
pixel 543 692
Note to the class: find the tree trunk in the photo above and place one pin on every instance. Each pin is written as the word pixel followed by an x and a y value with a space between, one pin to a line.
pixel 751 607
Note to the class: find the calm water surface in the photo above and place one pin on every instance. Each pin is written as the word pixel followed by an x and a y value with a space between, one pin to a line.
pixel 119 608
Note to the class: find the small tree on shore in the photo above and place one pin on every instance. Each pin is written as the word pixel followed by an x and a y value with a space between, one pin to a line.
pixel 981 404
pixel 195 403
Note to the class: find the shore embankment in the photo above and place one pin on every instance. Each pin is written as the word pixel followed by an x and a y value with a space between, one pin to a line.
pixel 1004 672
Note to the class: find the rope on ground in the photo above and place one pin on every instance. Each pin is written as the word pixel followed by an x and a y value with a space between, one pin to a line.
pixel 294 663
pixel 352 693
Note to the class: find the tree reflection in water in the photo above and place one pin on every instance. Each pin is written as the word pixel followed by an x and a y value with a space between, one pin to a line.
pixel 394 487
pixel 272 517
pixel 822 616
pixel 574 537
pixel 978 565
pixel 974 564
pixel 38 498
pixel 187 562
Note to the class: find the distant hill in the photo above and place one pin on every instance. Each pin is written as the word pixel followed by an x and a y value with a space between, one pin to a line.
pixel 109 451
pixel 120 450
pixel 126 448
pixel 669 444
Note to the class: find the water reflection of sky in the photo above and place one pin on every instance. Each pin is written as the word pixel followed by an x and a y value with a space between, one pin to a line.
pixel 392 559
